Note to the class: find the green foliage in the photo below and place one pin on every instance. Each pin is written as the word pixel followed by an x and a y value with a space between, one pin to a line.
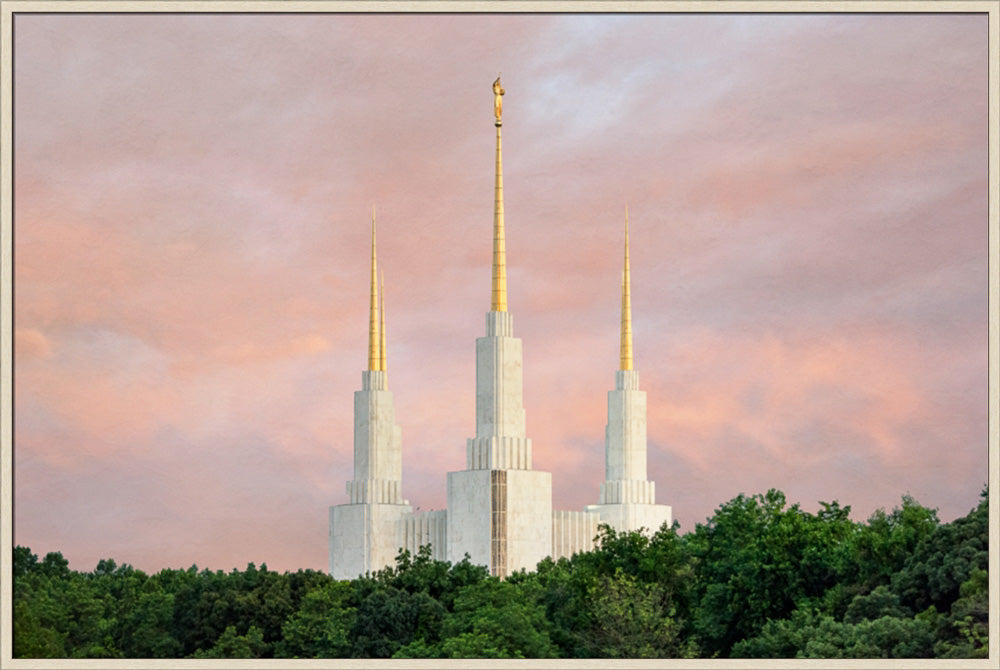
pixel 884 544
pixel 877 604
pixel 632 585
pixel 756 560
pixel 402 611
pixel 497 619
pixel 943 560
pixel 629 620
pixel 759 579
pixel 321 626
pixel 806 635
pixel 438 579
pixel 390 618
pixel 914 564
pixel 54 565
pixel 35 637
pixel 143 625
pixel 964 632
pixel 24 562
pixel 232 645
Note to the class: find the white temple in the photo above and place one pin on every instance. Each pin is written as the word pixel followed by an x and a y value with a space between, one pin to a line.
pixel 499 509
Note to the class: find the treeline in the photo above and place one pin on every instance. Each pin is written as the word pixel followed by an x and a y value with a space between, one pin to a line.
pixel 758 579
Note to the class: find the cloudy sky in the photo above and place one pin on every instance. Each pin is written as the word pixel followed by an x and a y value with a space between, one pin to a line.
pixel 193 197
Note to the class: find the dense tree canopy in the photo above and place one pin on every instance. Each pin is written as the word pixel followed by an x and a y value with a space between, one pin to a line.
pixel 759 579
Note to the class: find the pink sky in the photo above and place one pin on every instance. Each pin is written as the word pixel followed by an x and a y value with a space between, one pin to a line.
pixel 193 194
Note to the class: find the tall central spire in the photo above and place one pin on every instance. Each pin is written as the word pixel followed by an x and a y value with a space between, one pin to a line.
pixel 499 302
pixel 374 343
pixel 626 339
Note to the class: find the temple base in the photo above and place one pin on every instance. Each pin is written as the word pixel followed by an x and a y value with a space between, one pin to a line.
pixel 632 516
pixel 501 518
pixel 363 538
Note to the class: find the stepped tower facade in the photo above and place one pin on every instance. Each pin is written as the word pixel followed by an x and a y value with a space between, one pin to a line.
pixel 499 509
pixel 363 531
pixel 627 499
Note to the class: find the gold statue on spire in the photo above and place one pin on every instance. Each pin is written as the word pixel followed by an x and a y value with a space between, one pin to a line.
pixel 497 101
pixel 626 338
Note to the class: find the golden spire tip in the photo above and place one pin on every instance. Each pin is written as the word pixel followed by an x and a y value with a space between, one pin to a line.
pixel 374 354
pixel 626 334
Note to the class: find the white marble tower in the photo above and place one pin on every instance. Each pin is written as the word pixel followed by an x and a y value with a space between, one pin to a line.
pixel 627 500
pixel 363 532
pixel 499 509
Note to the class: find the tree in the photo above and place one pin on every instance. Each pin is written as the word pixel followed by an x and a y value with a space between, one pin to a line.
pixel 145 629
pixel 438 579
pixel 24 562
pixel 875 605
pixel 389 618
pixel 813 635
pixel 497 619
pixel 572 588
pixel 943 560
pixel 322 625
pixel 628 619
pixel 756 560
pixel 66 603
pixel 232 645
pixel 965 632
pixel 33 638
pixel 883 545
pixel 759 579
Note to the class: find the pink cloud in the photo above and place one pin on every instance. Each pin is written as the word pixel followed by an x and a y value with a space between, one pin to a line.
pixel 30 343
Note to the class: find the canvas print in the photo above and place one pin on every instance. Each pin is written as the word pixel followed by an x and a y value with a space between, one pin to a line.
pixel 500 335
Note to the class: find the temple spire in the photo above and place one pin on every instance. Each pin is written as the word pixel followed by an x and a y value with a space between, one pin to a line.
pixel 381 308
pixel 499 300
pixel 374 348
pixel 626 338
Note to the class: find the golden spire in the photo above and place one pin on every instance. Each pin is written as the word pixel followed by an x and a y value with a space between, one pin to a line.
pixel 499 301
pixel 374 353
pixel 626 340
pixel 381 309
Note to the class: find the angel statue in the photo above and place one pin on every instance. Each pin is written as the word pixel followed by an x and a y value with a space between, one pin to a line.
pixel 497 102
